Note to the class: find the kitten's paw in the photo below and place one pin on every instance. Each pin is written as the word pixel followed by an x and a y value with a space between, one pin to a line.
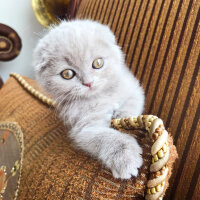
pixel 126 159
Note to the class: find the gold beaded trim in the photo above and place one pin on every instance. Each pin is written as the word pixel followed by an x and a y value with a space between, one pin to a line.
pixel 160 154
pixel 33 91
pixel 158 173
pixel 155 189
pixel 159 150
pixel 155 128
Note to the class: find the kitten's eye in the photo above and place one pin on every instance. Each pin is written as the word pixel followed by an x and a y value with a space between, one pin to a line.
pixel 97 63
pixel 68 74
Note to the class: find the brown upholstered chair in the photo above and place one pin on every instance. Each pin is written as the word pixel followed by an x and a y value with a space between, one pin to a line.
pixel 161 40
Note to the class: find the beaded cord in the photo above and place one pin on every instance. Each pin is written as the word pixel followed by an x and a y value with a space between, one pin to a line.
pixel 33 91
pixel 156 130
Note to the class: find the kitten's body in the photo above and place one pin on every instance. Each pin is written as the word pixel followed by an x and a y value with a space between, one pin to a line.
pixel 87 111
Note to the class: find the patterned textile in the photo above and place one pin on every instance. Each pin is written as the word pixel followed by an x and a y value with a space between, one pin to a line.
pixel 161 40
pixel 11 151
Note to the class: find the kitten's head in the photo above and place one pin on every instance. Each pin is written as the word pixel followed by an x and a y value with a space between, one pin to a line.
pixel 78 59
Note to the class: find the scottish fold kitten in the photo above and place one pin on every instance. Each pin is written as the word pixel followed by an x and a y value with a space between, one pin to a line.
pixel 80 65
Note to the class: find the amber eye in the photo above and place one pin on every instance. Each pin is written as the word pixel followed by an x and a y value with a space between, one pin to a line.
pixel 68 74
pixel 97 63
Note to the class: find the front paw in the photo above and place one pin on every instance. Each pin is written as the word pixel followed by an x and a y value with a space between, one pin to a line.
pixel 126 159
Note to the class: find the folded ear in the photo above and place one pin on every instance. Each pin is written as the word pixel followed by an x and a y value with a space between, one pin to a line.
pixel 41 70
pixel 40 67
pixel 41 58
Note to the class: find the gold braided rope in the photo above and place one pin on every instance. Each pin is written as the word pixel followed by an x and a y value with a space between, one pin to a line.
pixel 156 130
pixel 159 150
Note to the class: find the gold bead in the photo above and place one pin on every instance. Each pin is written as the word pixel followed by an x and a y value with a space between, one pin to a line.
pixel 136 124
pixel 40 96
pixel 53 103
pixel 162 184
pixel 44 99
pixel 160 153
pixel 134 119
pixel 26 85
pixel 159 133
pixel 23 81
pixel 153 190
pixel 29 88
pixel 151 119
pixel 49 101
pixel 36 93
pixel 32 90
pixel 164 148
pixel 164 167
pixel 155 135
pixel 148 124
pixel 155 157
pixel 162 171
pixel 157 173
pixel 158 187
pixel 153 160
pixel 148 191
pixel 148 129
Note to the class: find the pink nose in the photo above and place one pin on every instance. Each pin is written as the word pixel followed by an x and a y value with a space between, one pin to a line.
pixel 88 84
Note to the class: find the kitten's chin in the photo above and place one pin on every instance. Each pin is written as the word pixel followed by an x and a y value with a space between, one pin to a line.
pixel 89 92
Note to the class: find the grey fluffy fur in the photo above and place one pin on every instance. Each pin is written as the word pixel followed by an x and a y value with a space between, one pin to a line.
pixel 87 111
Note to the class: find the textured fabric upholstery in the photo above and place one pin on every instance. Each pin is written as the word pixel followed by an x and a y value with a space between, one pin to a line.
pixel 161 40
pixel 50 167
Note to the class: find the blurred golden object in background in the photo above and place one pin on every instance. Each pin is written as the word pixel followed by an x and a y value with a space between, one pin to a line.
pixel 50 12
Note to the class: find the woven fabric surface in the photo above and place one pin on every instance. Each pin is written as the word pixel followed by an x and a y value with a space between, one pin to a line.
pixel 52 168
pixel 161 40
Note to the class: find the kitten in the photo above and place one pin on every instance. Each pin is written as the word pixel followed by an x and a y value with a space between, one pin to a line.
pixel 80 65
